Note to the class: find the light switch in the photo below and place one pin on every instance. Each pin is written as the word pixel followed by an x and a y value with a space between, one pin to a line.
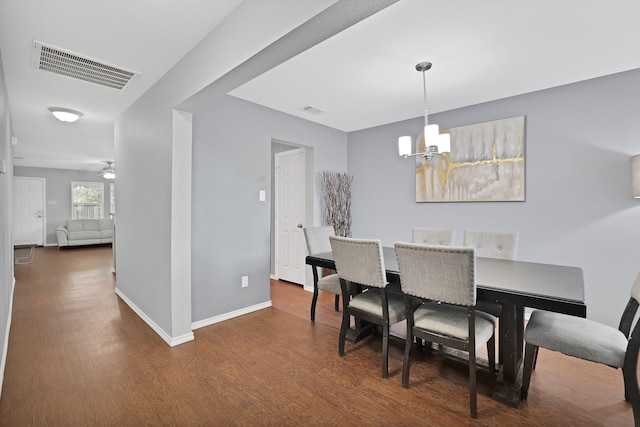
pixel 263 195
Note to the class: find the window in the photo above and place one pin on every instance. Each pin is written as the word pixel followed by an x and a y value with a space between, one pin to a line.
pixel 112 200
pixel 86 200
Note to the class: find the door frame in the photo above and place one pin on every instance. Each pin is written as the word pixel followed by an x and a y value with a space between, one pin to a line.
pixel 293 152
pixel 308 199
pixel 44 206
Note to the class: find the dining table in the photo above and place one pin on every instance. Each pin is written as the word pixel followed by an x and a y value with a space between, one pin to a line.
pixel 515 285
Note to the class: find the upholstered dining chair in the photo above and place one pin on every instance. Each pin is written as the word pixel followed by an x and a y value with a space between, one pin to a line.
pixel 493 244
pixel 589 340
pixel 317 239
pixel 445 274
pixel 360 263
pixel 433 236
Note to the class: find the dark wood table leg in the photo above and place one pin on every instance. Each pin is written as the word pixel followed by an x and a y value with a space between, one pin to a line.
pixel 520 332
pixel 360 330
pixel 509 381
pixel 512 336
pixel 508 392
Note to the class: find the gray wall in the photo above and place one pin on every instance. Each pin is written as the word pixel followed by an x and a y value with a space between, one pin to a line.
pixel 6 222
pixel 578 209
pixel 232 145
pixel 153 255
pixel 58 183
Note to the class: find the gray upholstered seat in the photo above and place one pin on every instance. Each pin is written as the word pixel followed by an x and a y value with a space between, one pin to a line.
pixel 371 302
pixel 360 262
pixel 433 236
pixel 589 340
pixel 445 274
pixel 452 321
pixel 577 337
pixel 330 283
pixel 317 239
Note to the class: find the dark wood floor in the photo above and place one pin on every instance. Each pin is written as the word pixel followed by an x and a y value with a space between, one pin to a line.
pixel 78 356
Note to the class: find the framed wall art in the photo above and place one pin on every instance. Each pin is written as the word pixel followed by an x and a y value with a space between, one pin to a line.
pixel 486 164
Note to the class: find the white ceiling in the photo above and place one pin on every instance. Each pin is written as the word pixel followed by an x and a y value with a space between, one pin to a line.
pixel 480 50
pixel 148 36
pixel 361 78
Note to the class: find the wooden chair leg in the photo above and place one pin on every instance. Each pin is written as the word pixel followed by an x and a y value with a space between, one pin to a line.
pixel 529 355
pixel 473 404
pixel 632 395
pixel 385 350
pixel 405 358
pixel 491 353
pixel 314 300
pixel 501 333
pixel 337 302
pixel 630 375
pixel 428 346
pixel 343 330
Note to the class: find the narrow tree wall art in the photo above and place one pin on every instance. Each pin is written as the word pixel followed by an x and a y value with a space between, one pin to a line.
pixel 337 201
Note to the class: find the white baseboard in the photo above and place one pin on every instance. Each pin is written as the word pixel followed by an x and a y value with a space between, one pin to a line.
pixel 230 315
pixel 273 277
pixel 158 330
pixel 5 347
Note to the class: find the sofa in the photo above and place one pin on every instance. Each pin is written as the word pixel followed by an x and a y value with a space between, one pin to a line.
pixel 78 232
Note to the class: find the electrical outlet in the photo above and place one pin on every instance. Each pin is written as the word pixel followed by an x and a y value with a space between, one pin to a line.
pixel 245 281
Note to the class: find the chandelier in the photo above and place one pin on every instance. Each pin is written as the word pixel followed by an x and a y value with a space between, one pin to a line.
pixel 434 142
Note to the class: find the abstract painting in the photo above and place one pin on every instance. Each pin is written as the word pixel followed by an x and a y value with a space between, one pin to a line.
pixel 486 164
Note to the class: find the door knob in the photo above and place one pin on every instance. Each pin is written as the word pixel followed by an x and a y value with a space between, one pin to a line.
pixel 299 225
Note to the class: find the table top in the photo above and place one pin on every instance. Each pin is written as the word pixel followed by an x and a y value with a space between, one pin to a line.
pixel 545 286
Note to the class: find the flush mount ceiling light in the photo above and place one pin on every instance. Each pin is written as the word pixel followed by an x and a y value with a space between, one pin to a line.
pixel 65 114
pixel 434 142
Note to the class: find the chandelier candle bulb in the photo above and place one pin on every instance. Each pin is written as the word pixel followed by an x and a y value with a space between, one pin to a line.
pixel 431 133
pixel 404 146
pixel 444 143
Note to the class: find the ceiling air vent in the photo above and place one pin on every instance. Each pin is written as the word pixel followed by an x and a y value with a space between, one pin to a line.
pixel 311 110
pixel 56 60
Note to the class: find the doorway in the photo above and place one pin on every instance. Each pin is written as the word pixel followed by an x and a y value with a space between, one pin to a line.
pixel 28 211
pixel 290 215
pixel 280 146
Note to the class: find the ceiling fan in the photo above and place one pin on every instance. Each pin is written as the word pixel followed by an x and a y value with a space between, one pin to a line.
pixel 108 172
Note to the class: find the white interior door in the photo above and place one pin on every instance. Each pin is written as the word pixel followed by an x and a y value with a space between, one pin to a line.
pixel 290 214
pixel 28 212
